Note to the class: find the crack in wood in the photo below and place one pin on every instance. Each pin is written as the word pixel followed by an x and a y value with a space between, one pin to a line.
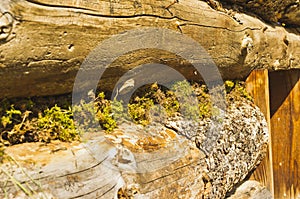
pixel 64 175
pixel 170 174
pixel 95 13
pixel 219 27
pixel 95 190
pixel 59 6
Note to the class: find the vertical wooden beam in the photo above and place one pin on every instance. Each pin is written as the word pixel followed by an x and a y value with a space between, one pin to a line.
pixel 285 126
pixel 257 84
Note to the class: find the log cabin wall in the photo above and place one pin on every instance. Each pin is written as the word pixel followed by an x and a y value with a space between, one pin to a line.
pixel 278 96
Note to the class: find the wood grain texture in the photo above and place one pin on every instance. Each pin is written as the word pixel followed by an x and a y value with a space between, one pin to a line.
pixel 101 169
pixel 285 126
pixel 144 162
pixel 45 42
pixel 257 84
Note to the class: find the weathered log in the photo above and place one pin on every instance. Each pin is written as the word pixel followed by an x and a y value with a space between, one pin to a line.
pixel 43 43
pixel 285 11
pixel 150 162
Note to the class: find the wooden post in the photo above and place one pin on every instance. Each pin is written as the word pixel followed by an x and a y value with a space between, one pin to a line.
pixel 285 127
pixel 257 84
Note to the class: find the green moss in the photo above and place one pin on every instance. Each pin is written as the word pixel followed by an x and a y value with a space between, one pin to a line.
pixel 22 123
pixel 139 110
pixel 57 123
pixel 11 115
pixel 170 103
pixel 186 97
pixel 243 92
pixel 237 90
pixel 180 99
pixel 118 111
pixel 204 100
pixel 54 123
pixel 104 113
pixel 229 85
pixel 85 117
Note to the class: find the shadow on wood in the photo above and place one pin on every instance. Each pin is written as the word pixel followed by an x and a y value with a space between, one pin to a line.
pixel 285 126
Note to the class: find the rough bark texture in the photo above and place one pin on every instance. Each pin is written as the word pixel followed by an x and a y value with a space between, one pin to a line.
pixel 43 42
pixel 150 162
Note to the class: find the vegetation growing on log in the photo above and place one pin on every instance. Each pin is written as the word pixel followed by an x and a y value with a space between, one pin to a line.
pixel 31 121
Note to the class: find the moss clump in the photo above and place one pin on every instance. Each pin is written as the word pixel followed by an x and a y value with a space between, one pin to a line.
pixel 204 100
pixel 24 121
pixel 145 100
pixel 52 124
pixel 11 115
pixel 229 85
pixel 192 101
pixel 104 113
pixel 101 112
pixel 57 123
pixel 139 110
pixel 236 90
pixel 85 117
pixel 187 99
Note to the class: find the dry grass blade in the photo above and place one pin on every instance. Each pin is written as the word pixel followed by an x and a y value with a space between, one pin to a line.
pixel 17 183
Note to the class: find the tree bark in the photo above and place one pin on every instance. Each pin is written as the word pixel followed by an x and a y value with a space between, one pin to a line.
pixel 43 42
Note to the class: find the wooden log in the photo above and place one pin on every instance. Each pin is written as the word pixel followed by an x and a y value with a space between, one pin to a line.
pixel 98 169
pixel 43 43
pixel 145 162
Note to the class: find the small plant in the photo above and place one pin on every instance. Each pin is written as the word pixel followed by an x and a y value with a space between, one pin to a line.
pixel 236 90
pixel 101 112
pixel 187 99
pixel 57 123
pixel 104 113
pixel 26 122
pixel 170 103
pixel 12 115
pixel 229 85
pixel 139 109
pixel 242 90
pixel 118 111
pixel 204 100
pixel 85 118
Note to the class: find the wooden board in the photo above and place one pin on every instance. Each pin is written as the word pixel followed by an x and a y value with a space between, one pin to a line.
pixel 257 84
pixel 285 126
